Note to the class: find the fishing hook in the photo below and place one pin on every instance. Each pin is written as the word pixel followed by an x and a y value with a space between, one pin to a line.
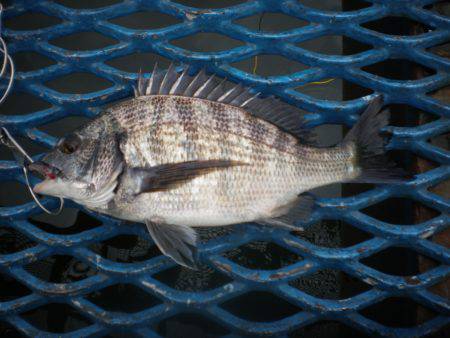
pixel 21 156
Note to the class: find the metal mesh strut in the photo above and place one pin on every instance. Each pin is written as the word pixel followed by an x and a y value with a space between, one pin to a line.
pixel 241 279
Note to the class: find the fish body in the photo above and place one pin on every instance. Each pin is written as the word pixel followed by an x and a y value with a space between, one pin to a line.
pixel 186 153
pixel 272 166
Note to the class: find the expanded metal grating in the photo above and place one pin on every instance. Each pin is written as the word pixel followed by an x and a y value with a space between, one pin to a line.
pixel 240 280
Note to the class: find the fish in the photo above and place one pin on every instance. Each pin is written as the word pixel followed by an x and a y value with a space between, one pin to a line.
pixel 186 152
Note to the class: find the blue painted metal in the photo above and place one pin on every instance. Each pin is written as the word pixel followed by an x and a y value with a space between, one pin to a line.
pixel 414 93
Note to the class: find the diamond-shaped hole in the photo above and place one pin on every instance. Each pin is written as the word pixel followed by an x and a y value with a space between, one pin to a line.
pixel 11 289
pixel 442 189
pixel 8 330
pixel 442 238
pixel 397 312
pixel 87 4
pixel 64 126
pixel 28 61
pixel 13 241
pixel 70 221
pixel 137 62
pixel 330 284
pixel 335 45
pixel 78 83
pixel 441 94
pixel 270 65
pixel 83 41
pixel 424 164
pixel 262 255
pixel 350 189
pixel 327 135
pixel 398 211
pixel 398 261
pixel 145 20
pixel 334 234
pixel 442 332
pixel 397 25
pixel 210 3
pixel 207 42
pixel 410 162
pixel 331 89
pixel 327 328
pixel 271 22
pixel 441 141
pixel 442 288
pixel 260 306
pixel 56 318
pixel 403 115
pixel 441 50
pixel 336 5
pixel 60 269
pixel 31 21
pixel 13 193
pixel 126 249
pixel 399 69
pixel 122 297
pixel 441 7
pixel 190 325
pixel 184 279
pixel 19 103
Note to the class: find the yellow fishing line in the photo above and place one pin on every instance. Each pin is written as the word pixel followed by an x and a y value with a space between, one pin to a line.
pixel 319 82
pixel 255 65
pixel 255 62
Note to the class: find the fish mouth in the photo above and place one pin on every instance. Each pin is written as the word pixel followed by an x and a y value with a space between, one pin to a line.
pixel 52 178
pixel 45 170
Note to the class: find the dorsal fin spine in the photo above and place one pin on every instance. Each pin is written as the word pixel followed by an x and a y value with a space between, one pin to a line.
pixel 200 86
pixel 176 88
pixel 152 80
pixel 191 89
pixel 199 93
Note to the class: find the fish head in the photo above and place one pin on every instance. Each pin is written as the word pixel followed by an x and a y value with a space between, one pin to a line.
pixel 83 166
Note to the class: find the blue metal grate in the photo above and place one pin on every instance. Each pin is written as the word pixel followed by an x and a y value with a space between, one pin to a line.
pixel 414 93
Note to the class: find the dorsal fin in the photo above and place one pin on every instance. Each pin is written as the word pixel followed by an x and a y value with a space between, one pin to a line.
pixel 200 85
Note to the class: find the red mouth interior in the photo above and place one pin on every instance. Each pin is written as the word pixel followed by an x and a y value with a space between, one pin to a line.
pixel 43 169
pixel 51 176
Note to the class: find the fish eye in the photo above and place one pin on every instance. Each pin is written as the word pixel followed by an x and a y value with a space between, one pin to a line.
pixel 69 144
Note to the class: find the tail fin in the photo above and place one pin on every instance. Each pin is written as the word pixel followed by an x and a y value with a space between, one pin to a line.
pixel 370 156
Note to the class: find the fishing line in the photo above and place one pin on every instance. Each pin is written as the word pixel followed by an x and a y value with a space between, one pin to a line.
pixel 6 138
pixel 7 61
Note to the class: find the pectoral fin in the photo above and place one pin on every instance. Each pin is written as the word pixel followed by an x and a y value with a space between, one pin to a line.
pixel 171 175
pixel 176 241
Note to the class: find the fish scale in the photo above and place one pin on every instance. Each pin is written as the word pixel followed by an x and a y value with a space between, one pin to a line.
pixel 186 153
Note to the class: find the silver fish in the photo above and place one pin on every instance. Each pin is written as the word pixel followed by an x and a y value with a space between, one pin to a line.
pixel 185 152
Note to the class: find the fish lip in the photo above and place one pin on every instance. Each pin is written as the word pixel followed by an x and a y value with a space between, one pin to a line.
pixel 45 170
pixel 40 187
